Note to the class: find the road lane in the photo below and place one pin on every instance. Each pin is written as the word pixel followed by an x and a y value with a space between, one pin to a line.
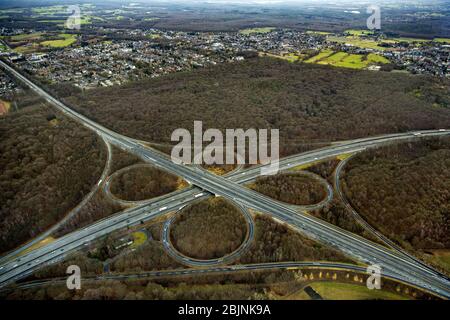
pixel 353 245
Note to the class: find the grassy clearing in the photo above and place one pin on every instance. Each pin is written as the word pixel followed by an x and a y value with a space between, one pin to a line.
pixel 355 32
pixel 345 60
pixel 357 39
pixel 359 42
pixel 322 33
pixel 410 40
pixel 6 11
pixel 139 238
pixel 4 107
pixel 151 19
pixel 27 36
pixel 154 36
pixel 83 21
pixel 346 291
pixel 49 11
pixel 3 48
pixel 442 40
pixel 256 30
pixel 375 58
pixel 33 47
pixel 334 58
pixel 68 39
pixel 38 245
pixel 320 56
pixel 441 258
pixel 290 57
pixel 344 156
pixel 305 166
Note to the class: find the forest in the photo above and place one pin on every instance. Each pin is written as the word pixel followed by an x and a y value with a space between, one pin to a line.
pixel 310 104
pixel 143 182
pixel 47 164
pixel 276 242
pixel 403 190
pixel 292 188
pixel 100 205
pixel 208 229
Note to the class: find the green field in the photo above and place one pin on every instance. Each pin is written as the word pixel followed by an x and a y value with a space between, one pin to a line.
pixel 151 19
pixel 375 58
pixel 67 40
pixel 345 60
pixel 3 48
pixel 347 291
pixel 355 38
pixel 83 21
pixel 354 32
pixel 323 54
pixel 409 40
pixel 359 42
pixel 291 57
pixel 26 36
pixel 256 30
pixel 11 11
pixel 442 40
pixel 49 11
pixel 154 36
pixel 323 33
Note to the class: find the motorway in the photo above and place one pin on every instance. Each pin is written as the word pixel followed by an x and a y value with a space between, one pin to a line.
pixel 362 249
pixel 361 221
pixel 147 275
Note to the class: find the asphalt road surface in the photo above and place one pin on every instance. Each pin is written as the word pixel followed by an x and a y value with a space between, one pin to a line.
pixel 362 249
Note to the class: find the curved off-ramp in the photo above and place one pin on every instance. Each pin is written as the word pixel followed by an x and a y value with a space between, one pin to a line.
pixel 368 227
pixel 309 207
pixel 130 203
pixel 227 259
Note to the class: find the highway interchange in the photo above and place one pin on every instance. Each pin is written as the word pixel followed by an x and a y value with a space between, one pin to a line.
pixel 394 264
pixel 227 259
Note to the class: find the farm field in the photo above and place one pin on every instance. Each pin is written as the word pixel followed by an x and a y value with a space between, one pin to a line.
pixel 323 54
pixel 257 30
pixel 67 40
pixel 346 291
pixel 346 60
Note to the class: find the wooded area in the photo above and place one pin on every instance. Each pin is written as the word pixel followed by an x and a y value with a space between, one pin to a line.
pixel 276 242
pixel 208 229
pixel 150 256
pixel 141 183
pixel 122 159
pixel 309 103
pixel 98 207
pixel 293 188
pixel 404 191
pixel 47 164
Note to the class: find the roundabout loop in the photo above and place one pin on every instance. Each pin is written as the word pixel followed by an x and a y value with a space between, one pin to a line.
pixel 227 259
pixel 308 207
pixel 128 203
pixel 238 168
